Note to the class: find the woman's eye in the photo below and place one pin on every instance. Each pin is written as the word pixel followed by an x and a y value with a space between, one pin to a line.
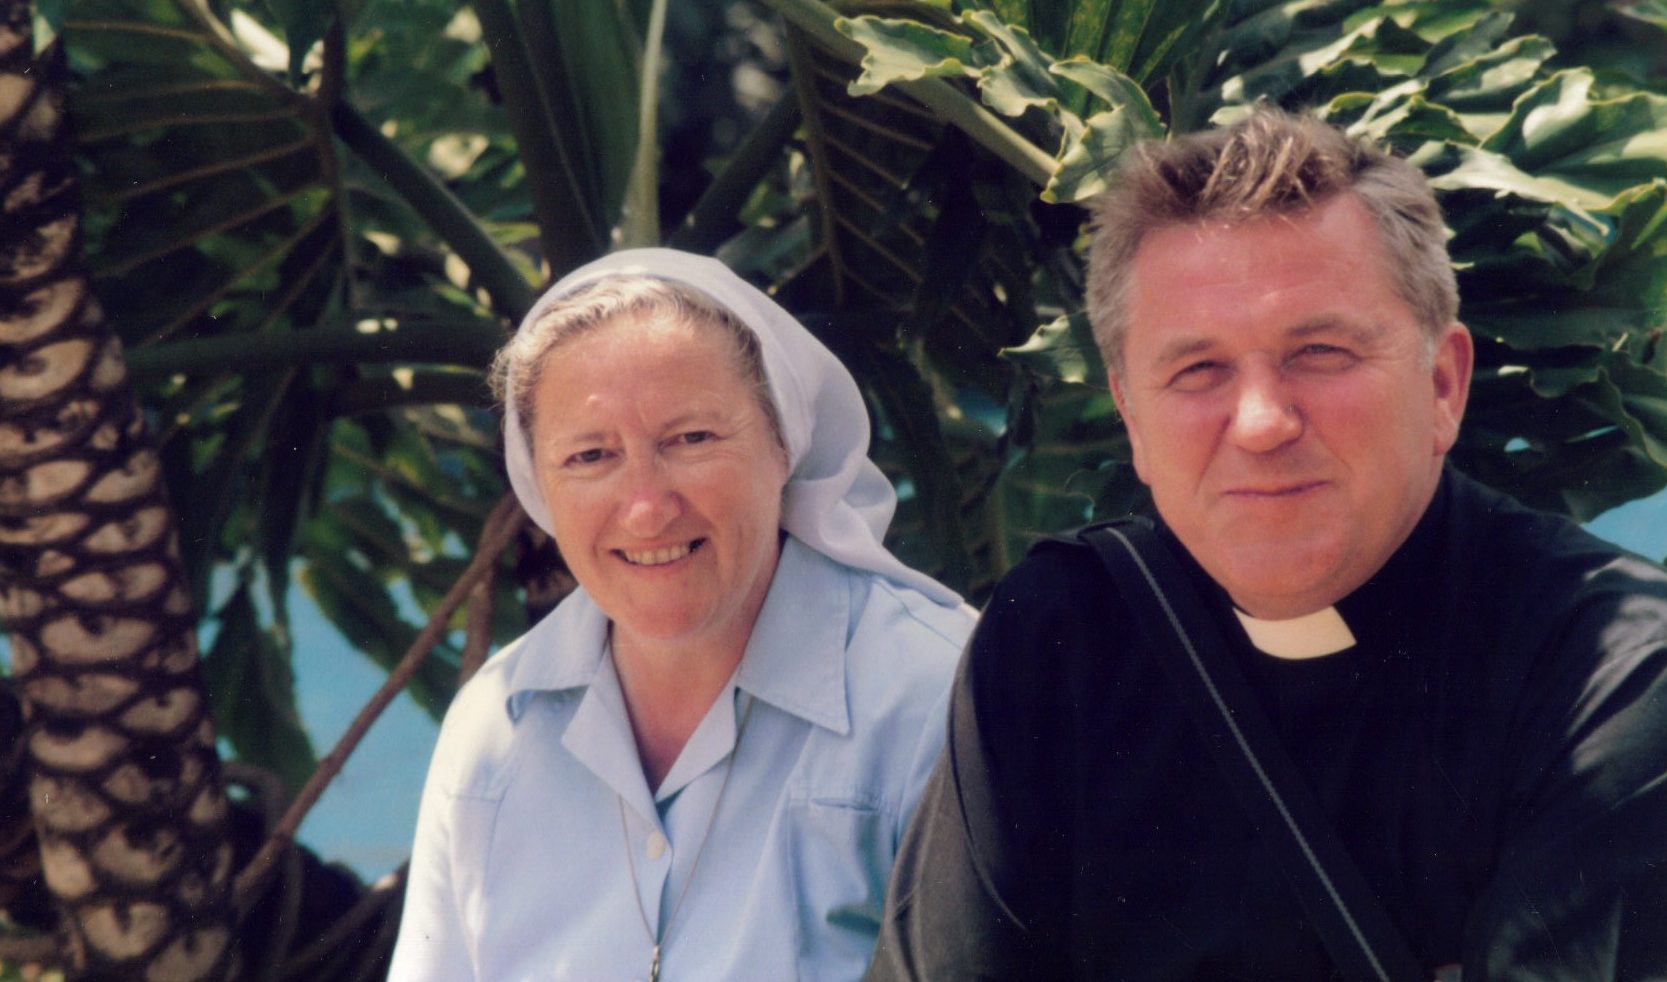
pixel 594 455
pixel 695 436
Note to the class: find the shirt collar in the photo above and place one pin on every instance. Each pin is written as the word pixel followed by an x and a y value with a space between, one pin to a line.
pixel 1323 632
pixel 562 651
pixel 795 659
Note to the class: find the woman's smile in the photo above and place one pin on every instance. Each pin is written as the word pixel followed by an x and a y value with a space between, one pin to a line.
pixel 661 556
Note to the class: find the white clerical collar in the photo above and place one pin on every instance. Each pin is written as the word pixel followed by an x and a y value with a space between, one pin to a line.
pixel 1309 636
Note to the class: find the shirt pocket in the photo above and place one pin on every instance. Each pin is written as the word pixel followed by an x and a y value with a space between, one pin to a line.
pixel 839 855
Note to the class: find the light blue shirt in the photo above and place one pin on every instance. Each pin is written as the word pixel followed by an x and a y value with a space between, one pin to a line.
pixel 519 870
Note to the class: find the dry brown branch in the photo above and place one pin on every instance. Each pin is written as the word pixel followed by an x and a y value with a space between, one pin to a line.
pixel 30 949
pixel 477 637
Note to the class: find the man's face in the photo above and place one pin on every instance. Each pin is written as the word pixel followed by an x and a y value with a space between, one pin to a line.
pixel 1283 403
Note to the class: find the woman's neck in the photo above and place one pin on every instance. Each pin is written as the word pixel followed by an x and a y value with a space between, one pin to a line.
pixel 671 683
pixel 667 693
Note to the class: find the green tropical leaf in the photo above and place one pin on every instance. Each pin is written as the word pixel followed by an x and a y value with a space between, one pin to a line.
pixel 903 51
pixel 1112 87
pixel 1020 79
pixel 601 45
pixel 1481 72
pixel 1068 464
pixel 1602 282
pixel 1648 11
pixel 1563 130
pixel 1480 168
pixel 363 609
pixel 1065 350
pixel 1091 148
pixel 252 690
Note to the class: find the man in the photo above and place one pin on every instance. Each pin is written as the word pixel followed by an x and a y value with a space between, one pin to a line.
pixel 1474 693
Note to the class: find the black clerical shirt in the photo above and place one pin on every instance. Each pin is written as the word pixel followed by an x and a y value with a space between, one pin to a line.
pixel 1492 751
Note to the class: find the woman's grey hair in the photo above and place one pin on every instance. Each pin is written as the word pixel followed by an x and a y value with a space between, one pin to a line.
pixel 520 363
pixel 1268 163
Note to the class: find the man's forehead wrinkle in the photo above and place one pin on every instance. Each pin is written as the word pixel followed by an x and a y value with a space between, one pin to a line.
pixel 1366 328
pixel 1184 345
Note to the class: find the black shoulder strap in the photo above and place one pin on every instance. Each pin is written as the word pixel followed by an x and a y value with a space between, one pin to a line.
pixel 1357 931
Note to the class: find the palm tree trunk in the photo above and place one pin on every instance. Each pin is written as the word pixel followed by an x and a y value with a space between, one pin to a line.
pixel 124 779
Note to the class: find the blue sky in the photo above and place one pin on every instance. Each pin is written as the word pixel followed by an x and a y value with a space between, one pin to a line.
pixel 367 815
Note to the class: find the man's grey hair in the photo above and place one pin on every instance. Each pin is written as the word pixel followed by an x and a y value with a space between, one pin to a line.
pixel 1268 163
pixel 519 365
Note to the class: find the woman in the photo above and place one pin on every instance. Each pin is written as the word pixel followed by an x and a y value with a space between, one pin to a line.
pixel 700 764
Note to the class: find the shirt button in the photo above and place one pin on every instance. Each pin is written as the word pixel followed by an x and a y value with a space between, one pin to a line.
pixel 656 845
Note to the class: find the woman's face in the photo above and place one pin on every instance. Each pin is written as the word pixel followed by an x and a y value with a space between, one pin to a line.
pixel 662 476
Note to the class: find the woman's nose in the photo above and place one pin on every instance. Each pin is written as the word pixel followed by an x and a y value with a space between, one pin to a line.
pixel 1265 417
pixel 652 503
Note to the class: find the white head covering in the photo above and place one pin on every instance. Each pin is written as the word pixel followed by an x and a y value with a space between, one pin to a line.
pixel 836 501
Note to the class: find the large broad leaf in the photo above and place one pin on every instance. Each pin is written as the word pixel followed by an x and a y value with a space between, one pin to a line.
pixel 902 51
pixel 921 259
pixel 252 690
pixel 1562 129
pixel 356 600
pixel 1582 432
pixel 1099 111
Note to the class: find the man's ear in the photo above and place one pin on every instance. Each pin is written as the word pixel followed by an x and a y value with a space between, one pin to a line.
pixel 1455 356
pixel 1135 445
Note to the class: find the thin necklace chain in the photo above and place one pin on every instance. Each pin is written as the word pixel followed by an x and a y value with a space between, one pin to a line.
pixel 655 938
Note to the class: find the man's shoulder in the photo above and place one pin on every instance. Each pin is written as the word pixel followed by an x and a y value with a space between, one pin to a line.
pixel 1057 571
pixel 1539 579
pixel 1054 612
pixel 1532 546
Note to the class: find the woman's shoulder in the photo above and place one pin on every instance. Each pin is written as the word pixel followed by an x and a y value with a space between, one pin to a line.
pixel 901 651
pixel 479 729
pixel 901 608
pixel 875 610
pixel 888 618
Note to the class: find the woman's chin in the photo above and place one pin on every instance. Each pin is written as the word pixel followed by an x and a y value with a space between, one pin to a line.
pixel 669 623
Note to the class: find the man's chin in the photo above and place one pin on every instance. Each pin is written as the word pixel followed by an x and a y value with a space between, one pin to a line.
pixel 1275 588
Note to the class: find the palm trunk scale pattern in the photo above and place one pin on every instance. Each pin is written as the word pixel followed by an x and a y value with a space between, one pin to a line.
pixel 124 782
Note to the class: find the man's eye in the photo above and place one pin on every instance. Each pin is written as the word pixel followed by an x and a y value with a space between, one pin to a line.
pixel 1197 376
pixel 1324 357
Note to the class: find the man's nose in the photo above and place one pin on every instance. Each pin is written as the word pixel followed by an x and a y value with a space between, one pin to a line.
pixel 652 501
pixel 1265 416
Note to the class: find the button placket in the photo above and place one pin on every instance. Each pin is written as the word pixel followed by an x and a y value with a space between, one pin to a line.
pixel 651 864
